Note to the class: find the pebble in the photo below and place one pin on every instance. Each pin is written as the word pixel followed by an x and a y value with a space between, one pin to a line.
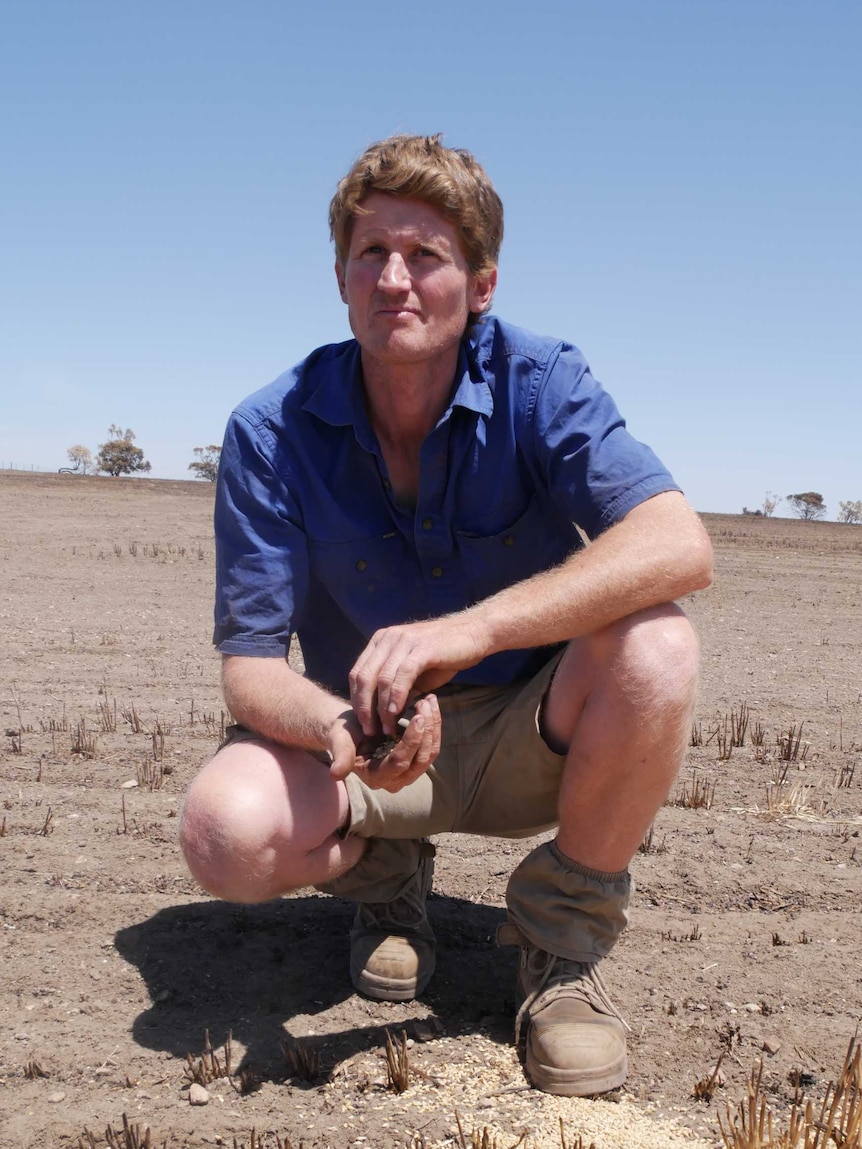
pixel 56 1098
pixel 130 785
pixel 771 1044
pixel 198 1095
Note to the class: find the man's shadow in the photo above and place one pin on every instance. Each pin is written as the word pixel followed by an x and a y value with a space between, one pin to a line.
pixel 249 970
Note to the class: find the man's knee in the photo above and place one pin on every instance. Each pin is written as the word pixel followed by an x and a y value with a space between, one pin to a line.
pixel 655 655
pixel 224 832
pixel 647 663
pixel 254 817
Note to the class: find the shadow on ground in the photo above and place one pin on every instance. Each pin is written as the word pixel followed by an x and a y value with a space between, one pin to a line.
pixel 252 970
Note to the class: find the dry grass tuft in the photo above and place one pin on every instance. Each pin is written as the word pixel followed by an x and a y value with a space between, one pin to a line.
pixel 84 741
pixel 130 1137
pixel 130 715
pixel 784 801
pixel 836 1121
pixel 650 846
pixel 705 1087
pixel 209 1067
pixel 700 796
pixel 397 1063
pixel 151 775
pixel 791 748
pixel 693 936
pixel 303 1060
pixel 33 1070
pixel 484 1138
pixel 739 724
pixel 264 1142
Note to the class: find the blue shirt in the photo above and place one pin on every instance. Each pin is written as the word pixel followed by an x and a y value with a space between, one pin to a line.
pixel 309 539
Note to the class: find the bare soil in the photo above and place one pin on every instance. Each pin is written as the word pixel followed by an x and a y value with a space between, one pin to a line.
pixel 745 935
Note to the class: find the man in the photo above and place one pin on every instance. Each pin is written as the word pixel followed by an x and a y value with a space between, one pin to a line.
pixel 405 503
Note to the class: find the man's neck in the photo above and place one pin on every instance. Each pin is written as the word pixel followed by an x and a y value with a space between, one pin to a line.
pixel 405 401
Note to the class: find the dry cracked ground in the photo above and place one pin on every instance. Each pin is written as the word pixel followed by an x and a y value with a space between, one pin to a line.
pixel 117 971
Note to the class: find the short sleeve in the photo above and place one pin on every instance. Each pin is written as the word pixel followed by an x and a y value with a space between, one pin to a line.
pixel 596 472
pixel 261 551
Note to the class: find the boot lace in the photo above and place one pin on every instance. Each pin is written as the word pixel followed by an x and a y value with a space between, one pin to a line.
pixel 552 976
pixel 406 912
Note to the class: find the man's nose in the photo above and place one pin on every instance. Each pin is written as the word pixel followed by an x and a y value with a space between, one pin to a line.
pixel 394 276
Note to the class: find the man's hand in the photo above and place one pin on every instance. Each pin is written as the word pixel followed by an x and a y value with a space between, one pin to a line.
pixel 354 753
pixel 403 660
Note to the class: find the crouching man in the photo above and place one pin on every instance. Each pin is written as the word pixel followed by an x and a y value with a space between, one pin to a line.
pixel 405 503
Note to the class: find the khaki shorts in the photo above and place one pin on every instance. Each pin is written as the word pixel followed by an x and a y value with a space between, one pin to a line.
pixel 495 773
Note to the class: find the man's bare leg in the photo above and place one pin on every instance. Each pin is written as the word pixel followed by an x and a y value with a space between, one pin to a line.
pixel 620 709
pixel 621 702
pixel 261 820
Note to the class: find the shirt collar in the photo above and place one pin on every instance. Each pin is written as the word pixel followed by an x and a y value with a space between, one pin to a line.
pixel 338 398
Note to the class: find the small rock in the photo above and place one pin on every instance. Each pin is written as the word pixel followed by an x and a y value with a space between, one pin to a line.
pixel 771 1044
pixel 130 785
pixel 751 1007
pixel 198 1095
pixel 423 1032
pixel 56 1098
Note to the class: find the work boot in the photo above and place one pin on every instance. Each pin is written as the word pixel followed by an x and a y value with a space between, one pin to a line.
pixel 392 946
pixel 574 1037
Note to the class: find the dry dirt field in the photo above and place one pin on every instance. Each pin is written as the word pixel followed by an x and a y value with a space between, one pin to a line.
pixel 745 935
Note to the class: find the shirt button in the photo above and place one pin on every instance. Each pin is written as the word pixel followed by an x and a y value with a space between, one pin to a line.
pixel 509 541
pixel 387 486
pixel 427 524
pixel 437 572
pixel 362 565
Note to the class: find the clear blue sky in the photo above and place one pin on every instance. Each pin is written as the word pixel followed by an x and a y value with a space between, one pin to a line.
pixel 681 181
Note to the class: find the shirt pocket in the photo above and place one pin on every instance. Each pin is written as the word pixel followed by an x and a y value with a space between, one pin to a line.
pixel 534 541
pixel 371 579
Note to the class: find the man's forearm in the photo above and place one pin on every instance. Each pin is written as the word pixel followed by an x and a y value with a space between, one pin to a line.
pixel 268 697
pixel 658 553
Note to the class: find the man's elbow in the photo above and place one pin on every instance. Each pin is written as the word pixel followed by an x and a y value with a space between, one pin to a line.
pixel 700 559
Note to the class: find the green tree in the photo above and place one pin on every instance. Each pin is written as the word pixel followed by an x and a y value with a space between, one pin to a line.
pixel 81 458
pixel 850 512
pixel 205 466
pixel 808 505
pixel 120 456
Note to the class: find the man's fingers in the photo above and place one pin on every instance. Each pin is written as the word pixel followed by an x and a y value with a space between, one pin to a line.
pixel 412 756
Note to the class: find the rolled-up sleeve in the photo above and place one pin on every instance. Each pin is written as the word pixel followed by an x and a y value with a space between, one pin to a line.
pixel 596 472
pixel 261 551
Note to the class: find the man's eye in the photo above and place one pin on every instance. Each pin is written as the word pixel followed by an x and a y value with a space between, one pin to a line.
pixel 427 251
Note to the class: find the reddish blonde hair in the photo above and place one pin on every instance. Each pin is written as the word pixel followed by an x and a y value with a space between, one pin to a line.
pixel 420 167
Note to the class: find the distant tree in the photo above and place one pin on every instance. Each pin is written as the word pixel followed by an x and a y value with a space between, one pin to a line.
pixel 81 458
pixel 850 512
pixel 205 465
pixel 769 504
pixel 120 456
pixel 808 505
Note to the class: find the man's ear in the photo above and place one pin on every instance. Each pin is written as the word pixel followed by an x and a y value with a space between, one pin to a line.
pixel 339 275
pixel 482 291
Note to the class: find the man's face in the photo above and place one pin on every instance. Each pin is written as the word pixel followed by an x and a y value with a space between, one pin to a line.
pixel 406 282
